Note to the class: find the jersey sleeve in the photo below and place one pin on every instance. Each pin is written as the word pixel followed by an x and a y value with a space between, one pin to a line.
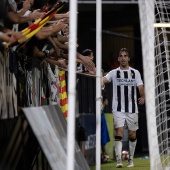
pixel 109 76
pixel 138 79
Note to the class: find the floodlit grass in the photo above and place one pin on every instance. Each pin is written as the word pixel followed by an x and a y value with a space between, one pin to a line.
pixel 140 164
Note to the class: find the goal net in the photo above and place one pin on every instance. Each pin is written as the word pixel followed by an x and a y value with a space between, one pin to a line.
pixel 155 33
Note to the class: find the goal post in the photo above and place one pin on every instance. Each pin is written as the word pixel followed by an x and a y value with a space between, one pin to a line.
pixel 155 51
pixel 162 79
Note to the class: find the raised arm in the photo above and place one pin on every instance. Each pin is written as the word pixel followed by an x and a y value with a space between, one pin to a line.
pixel 86 61
pixel 16 18
pixel 45 32
pixel 61 16
pixel 26 6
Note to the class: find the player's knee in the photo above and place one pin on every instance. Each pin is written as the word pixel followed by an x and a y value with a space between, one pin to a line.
pixel 119 131
pixel 118 138
pixel 132 135
pixel 132 139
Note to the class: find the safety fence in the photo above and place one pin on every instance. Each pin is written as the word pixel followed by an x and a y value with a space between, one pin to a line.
pixel 31 82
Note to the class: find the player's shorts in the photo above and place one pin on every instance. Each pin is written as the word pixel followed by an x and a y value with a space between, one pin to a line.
pixel 131 119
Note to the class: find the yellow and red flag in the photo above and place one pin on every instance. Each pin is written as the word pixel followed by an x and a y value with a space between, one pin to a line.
pixel 32 29
pixel 63 93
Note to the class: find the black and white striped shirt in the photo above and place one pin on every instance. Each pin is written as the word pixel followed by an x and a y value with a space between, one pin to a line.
pixel 124 89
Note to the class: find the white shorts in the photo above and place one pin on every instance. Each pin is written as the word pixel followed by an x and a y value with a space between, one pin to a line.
pixel 131 119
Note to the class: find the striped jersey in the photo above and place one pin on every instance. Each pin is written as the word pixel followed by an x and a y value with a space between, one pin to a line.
pixel 124 89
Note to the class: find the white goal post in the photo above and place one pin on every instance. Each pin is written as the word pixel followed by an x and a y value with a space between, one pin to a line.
pixel 155 34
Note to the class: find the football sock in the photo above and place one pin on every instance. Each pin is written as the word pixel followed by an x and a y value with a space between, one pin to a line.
pixel 118 147
pixel 132 146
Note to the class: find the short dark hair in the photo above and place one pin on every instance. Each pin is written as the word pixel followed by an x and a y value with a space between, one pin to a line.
pixel 124 50
pixel 87 52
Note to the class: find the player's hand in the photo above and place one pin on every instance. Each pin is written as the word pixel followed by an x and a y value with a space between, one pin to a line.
pixel 141 101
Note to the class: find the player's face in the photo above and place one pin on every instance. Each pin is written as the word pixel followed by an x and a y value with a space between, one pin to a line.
pixel 123 59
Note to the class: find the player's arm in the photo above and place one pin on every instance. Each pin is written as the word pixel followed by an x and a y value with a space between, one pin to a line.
pixel 141 99
pixel 103 81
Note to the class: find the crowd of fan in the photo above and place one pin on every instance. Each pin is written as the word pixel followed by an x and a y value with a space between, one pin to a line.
pixel 50 43
pixel 30 53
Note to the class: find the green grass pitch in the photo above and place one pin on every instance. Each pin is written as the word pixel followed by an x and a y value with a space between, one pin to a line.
pixel 139 164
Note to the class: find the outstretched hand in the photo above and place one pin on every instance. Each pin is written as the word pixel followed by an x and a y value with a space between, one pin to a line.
pixel 36 14
pixel 88 63
pixel 15 36
pixel 62 63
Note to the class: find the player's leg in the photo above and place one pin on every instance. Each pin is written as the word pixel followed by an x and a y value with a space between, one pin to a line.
pixel 132 146
pixel 132 123
pixel 118 125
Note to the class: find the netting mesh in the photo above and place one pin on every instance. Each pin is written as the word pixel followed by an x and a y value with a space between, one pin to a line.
pixel 162 80
pixel 162 11
pixel 155 49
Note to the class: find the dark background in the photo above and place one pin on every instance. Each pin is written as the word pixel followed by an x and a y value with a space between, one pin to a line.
pixel 120 28
pixel 118 22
